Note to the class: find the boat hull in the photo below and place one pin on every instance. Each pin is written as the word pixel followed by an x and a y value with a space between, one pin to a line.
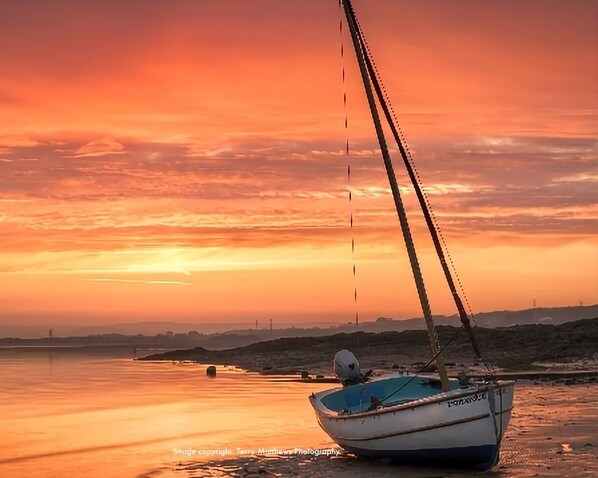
pixel 462 427
pixel 481 457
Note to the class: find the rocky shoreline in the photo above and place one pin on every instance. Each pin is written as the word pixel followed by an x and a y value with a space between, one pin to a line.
pixel 539 351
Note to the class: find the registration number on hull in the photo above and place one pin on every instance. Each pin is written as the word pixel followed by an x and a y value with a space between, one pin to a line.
pixel 466 400
pixel 473 398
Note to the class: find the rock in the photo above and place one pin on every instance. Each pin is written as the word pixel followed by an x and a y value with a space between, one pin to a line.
pixel 304 374
pixel 211 371
pixel 262 471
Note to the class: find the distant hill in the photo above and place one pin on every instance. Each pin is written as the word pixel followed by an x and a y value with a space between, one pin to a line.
pixel 177 335
pixel 502 318
pixel 133 328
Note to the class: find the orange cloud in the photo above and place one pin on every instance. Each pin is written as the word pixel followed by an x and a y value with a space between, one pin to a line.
pixel 139 143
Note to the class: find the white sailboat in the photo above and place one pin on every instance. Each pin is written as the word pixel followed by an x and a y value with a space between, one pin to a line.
pixel 462 427
pixel 417 419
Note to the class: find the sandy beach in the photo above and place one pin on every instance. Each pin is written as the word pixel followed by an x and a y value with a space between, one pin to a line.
pixel 553 433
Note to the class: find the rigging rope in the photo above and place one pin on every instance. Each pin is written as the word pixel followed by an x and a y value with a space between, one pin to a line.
pixel 348 157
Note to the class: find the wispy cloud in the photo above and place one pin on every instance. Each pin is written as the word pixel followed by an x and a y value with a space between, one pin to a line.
pixel 101 147
pixel 139 281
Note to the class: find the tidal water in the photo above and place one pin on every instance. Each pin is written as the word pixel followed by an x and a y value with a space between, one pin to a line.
pixel 68 414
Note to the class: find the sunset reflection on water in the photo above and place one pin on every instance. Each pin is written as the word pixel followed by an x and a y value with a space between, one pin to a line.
pixel 69 415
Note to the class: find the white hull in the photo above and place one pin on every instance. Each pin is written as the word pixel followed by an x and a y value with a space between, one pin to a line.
pixel 461 427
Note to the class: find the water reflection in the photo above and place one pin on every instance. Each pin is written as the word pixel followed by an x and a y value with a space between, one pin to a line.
pixel 64 413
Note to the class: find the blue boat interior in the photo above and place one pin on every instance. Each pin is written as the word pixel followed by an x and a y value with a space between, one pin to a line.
pixel 358 398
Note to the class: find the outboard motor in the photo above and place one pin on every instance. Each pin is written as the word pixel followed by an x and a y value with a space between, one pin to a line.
pixel 346 367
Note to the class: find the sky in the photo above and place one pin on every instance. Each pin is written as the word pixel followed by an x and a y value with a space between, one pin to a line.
pixel 184 160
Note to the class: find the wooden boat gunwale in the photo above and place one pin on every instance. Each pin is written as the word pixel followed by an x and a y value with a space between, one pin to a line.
pixel 420 402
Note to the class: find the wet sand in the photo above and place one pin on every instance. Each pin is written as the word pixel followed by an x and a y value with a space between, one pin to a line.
pixel 553 433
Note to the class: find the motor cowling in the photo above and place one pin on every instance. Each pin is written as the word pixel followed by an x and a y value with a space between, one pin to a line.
pixel 346 366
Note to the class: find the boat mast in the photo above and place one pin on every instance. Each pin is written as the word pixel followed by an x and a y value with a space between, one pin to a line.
pixel 361 53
